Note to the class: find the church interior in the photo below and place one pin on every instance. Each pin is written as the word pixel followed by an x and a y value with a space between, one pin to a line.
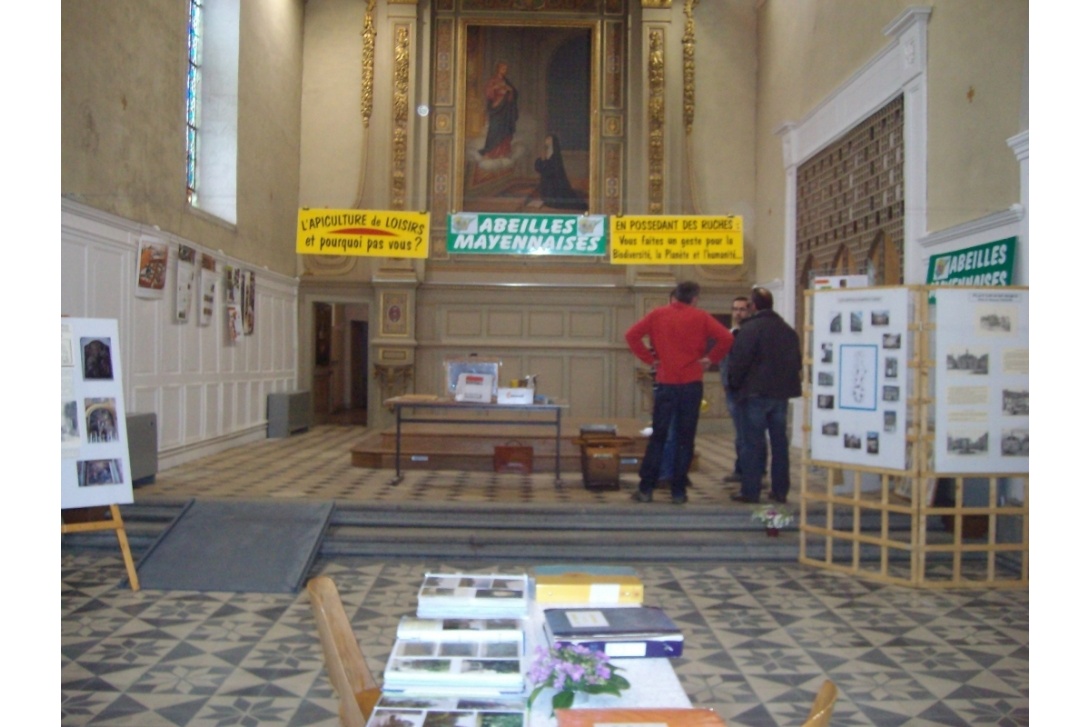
pixel 853 138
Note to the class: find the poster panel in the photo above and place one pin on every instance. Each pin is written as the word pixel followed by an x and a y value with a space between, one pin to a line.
pixel 676 240
pixel 981 380
pixel 860 386
pixel 94 439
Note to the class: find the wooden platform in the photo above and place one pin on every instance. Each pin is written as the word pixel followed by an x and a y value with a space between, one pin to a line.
pixel 470 447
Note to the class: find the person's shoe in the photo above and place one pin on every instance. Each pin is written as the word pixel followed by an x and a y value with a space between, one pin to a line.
pixel 782 499
pixel 679 499
pixel 733 477
pixel 742 498
pixel 640 496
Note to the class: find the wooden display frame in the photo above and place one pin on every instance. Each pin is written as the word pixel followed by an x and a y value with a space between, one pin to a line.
pixel 116 524
pixel 834 507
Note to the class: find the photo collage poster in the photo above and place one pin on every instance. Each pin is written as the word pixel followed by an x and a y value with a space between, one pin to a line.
pixel 981 380
pixel 152 258
pixel 186 276
pixel 860 386
pixel 208 280
pixel 239 294
pixel 94 439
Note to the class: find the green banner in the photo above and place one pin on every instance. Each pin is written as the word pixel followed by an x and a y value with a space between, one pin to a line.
pixel 486 233
pixel 990 264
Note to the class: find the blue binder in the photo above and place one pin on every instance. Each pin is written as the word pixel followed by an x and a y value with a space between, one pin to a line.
pixel 641 631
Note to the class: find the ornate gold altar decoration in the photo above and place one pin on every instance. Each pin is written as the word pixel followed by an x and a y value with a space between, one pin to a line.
pixel 401 118
pixel 367 73
pixel 367 91
pixel 688 47
pixel 656 114
pixel 393 380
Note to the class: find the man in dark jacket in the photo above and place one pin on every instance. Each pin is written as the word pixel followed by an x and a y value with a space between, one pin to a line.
pixel 764 370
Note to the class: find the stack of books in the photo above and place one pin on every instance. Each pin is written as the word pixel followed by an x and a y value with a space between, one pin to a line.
pixel 468 639
pixel 400 711
pixel 642 631
pixel 469 595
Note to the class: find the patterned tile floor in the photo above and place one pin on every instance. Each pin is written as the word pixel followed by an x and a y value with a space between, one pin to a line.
pixel 760 639
pixel 317 465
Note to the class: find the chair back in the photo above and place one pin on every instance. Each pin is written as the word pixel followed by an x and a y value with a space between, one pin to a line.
pixel 355 686
pixel 822 711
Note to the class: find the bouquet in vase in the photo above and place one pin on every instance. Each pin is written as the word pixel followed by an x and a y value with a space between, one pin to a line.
pixel 571 669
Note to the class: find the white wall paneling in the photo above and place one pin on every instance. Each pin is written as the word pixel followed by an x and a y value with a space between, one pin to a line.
pixel 208 393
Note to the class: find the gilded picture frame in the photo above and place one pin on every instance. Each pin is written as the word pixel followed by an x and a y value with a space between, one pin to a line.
pixel 518 83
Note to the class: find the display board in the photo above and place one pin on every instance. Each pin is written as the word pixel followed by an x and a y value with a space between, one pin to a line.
pixel 860 380
pixel 981 380
pixel 94 441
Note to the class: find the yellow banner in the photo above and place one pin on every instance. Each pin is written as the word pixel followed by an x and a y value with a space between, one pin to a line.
pixel 681 240
pixel 365 233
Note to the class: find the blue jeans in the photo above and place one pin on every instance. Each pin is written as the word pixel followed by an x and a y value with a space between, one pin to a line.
pixel 678 404
pixel 759 415
pixel 736 416
pixel 669 452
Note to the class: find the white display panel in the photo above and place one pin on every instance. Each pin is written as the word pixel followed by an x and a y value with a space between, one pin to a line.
pixel 981 380
pixel 94 440
pixel 861 382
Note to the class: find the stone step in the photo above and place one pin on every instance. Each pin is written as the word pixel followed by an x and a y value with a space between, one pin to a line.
pixel 622 532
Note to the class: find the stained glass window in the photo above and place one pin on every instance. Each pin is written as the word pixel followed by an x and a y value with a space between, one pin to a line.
pixel 193 99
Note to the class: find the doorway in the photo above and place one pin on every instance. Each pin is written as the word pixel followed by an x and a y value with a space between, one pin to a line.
pixel 340 383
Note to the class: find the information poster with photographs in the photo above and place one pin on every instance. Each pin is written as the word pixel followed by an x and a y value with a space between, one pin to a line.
pixel 94 441
pixel 981 380
pixel 208 280
pixel 151 268
pixel 860 386
pixel 186 276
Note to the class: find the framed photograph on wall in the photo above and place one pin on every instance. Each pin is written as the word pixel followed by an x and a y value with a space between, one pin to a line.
pixel 528 139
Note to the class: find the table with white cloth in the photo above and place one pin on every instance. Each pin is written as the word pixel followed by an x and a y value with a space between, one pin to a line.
pixel 654 682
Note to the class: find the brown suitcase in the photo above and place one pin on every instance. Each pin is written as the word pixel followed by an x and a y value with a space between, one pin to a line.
pixel 513 457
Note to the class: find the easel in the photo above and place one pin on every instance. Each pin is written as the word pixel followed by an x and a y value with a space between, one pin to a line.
pixel 91 374
pixel 118 526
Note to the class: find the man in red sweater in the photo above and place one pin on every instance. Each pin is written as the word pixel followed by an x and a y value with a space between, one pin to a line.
pixel 679 334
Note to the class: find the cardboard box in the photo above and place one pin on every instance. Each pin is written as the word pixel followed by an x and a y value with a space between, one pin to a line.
pixel 474 387
pixel 516 396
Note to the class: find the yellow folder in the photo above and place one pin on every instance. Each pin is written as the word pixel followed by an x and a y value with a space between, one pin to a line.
pixel 593 588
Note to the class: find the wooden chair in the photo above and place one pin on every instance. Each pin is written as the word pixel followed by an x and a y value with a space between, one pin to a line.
pixel 357 689
pixel 822 711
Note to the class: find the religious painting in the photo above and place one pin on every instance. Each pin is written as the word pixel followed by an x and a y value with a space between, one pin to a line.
pixel 528 137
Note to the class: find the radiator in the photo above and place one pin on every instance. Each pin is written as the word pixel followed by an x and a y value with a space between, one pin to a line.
pixel 143 447
pixel 288 413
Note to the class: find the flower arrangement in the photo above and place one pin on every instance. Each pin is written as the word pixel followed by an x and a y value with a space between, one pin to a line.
pixel 773 516
pixel 571 669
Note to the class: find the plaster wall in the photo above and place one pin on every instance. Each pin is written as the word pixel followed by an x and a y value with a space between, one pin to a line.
pixel 724 128
pixel 810 48
pixel 123 75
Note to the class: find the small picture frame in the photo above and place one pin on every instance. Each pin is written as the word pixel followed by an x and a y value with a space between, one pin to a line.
pixel 395 314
